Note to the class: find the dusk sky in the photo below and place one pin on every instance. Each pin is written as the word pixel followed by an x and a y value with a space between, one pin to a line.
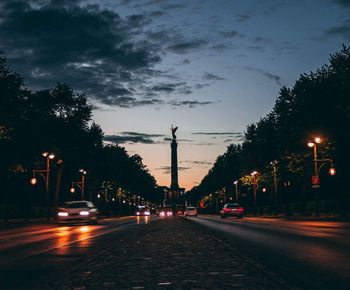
pixel 208 67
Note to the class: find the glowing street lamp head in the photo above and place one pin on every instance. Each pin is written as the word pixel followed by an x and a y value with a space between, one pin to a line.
pixel 318 140
pixel 235 182
pixel 47 154
pixel 311 144
pixel 33 181
pixel 254 173
pixel 72 190
pixel 332 171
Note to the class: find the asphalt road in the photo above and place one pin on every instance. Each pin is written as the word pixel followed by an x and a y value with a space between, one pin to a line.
pixel 33 252
pixel 308 254
pixel 304 254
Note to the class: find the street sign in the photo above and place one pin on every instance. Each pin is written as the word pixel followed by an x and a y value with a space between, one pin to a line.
pixel 315 181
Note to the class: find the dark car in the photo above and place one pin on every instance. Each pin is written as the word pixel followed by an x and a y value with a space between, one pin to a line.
pixel 232 209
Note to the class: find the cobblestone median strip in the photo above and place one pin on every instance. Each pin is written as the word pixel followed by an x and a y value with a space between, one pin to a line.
pixel 168 254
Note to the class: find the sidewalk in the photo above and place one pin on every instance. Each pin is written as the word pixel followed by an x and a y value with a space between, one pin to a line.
pixel 170 253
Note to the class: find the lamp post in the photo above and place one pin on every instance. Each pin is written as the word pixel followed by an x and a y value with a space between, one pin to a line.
pixel 236 187
pixel 255 187
pixel 45 174
pixel 275 183
pixel 80 184
pixel 316 177
pixel 83 173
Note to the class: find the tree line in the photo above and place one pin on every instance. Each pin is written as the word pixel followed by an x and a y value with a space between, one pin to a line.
pixel 58 120
pixel 318 104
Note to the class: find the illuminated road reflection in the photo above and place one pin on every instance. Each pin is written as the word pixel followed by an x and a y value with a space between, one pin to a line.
pixel 19 243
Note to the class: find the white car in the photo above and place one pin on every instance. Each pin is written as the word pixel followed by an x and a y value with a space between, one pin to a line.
pixel 190 211
pixel 77 211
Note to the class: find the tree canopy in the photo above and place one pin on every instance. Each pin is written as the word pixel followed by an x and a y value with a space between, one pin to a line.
pixel 318 104
pixel 58 120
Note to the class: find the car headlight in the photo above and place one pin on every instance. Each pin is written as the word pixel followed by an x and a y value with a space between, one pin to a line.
pixel 83 212
pixel 62 213
pixel 147 213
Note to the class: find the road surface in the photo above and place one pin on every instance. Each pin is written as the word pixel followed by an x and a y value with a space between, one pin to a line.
pixel 177 253
pixel 311 254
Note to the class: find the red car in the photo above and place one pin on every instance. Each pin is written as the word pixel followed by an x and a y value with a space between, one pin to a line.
pixel 232 209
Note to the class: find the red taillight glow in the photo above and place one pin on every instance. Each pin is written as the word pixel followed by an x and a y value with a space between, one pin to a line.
pixel 227 209
pixel 240 209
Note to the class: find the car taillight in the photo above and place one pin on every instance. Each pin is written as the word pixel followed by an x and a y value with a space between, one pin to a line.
pixel 227 209
pixel 240 209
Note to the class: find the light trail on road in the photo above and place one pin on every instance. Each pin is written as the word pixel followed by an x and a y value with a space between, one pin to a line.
pixel 22 242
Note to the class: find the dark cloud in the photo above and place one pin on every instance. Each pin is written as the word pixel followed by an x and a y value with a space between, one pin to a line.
pixel 160 36
pixel 132 137
pixel 85 46
pixel 229 136
pixel 262 40
pixel 242 17
pixel 219 133
pixel 345 3
pixel 276 78
pixel 220 47
pixel 167 169
pixel 195 162
pixel 231 34
pixel 212 77
pixel 167 88
pixel 342 30
pixel 190 104
pixel 186 46
pixel 266 74
pixel 166 139
pixel 238 139
pixel 129 102
pixel 201 86
pixel 157 13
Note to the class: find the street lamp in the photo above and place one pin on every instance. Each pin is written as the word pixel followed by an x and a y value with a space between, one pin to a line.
pixel 236 187
pixel 255 187
pixel 80 184
pixel 275 183
pixel 41 172
pixel 316 177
